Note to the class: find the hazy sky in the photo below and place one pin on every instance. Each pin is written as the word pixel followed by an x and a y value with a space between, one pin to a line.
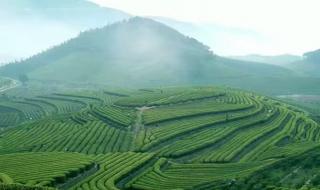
pixel 290 26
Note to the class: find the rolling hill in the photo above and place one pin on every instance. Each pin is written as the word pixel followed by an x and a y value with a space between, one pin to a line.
pixel 26 24
pixel 141 52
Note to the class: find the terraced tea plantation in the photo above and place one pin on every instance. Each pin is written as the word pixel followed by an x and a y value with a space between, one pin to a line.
pixel 169 138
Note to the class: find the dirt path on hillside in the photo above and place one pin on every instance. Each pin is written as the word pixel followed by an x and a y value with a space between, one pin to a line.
pixel 138 125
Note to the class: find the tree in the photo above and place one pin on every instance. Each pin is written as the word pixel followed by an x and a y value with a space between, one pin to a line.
pixel 24 79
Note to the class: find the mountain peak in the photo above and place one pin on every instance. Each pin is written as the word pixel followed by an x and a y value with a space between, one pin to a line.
pixel 137 45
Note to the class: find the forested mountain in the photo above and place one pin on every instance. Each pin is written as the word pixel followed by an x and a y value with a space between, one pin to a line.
pixel 30 26
pixel 138 52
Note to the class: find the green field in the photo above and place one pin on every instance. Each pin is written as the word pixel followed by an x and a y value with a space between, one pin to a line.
pixel 166 138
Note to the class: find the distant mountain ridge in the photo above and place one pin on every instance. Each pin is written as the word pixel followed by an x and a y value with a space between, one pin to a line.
pixel 280 60
pixel 80 14
pixel 225 40
pixel 47 23
pixel 313 56
pixel 309 65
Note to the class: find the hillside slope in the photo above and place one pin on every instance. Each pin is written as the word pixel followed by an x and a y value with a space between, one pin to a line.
pixel 137 52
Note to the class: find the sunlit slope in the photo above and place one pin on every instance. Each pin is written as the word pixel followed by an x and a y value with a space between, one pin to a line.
pixel 137 52
pixel 168 138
